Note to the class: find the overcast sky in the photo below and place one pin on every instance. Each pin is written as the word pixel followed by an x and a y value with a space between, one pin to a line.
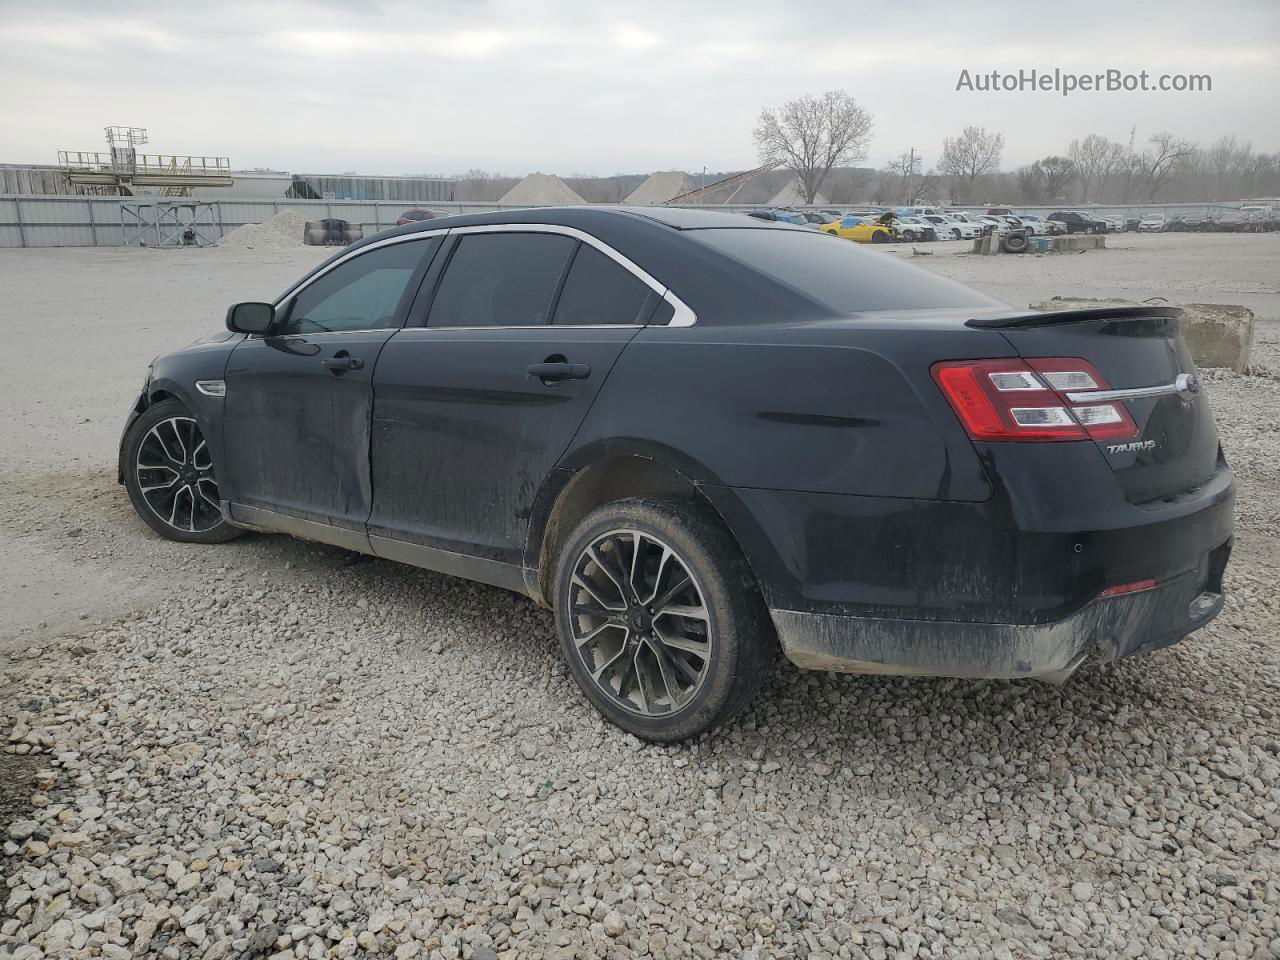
pixel 575 86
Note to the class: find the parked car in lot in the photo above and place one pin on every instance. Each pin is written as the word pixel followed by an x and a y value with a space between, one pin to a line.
pixel 1074 222
pixel 1228 222
pixel 779 216
pixel 947 228
pixel 860 229
pixel 910 229
pixel 414 216
pixel 1131 223
pixel 1153 224
pixel 698 436
pixel 816 220
pixel 978 223
pixel 918 211
pixel 1041 227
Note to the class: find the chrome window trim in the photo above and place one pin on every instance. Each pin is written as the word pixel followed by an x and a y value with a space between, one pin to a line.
pixel 302 285
pixel 682 315
pixel 530 326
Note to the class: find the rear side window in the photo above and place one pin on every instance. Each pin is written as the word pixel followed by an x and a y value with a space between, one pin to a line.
pixel 599 291
pixel 840 275
pixel 501 280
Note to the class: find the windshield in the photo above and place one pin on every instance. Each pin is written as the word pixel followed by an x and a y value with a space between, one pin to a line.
pixel 841 276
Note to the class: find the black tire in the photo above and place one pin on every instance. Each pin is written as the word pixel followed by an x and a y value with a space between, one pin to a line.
pixel 908 236
pixel 880 236
pixel 164 428
pixel 1014 242
pixel 736 631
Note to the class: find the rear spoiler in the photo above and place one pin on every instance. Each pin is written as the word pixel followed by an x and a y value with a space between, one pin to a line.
pixel 1045 318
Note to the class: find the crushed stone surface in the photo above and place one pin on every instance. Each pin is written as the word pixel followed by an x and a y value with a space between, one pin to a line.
pixel 283 752
pixel 281 232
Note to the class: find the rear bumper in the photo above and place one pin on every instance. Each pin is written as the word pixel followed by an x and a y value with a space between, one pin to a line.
pixel 1104 630
pixel 1008 587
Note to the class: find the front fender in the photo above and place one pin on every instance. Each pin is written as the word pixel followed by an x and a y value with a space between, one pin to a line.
pixel 174 376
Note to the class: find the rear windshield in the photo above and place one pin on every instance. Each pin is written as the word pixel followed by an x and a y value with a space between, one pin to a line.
pixel 840 275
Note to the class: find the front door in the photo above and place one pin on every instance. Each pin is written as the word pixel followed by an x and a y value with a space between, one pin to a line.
pixel 473 410
pixel 299 402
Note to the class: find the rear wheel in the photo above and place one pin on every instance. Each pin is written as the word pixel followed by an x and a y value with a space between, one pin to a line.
pixel 168 472
pixel 660 619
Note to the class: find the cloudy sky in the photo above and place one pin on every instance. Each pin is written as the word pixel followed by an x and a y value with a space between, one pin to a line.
pixel 576 86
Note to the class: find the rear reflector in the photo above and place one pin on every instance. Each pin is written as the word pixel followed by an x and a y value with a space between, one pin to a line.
pixel 1121 589
pixel 1015 399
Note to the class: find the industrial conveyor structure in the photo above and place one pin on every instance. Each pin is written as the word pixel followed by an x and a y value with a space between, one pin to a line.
pixel 122 170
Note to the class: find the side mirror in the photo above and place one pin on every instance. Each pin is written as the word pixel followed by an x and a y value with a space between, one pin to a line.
pixel 251 317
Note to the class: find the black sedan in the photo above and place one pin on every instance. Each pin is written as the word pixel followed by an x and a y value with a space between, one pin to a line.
pixel 699 438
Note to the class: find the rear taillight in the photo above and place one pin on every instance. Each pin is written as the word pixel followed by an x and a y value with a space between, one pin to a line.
pixel 1015 399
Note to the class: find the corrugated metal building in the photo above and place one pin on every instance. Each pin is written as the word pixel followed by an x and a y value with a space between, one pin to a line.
pixel 323 186
pixel 34 180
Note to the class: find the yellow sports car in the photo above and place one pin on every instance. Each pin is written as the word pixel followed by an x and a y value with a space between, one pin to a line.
pixel 861 229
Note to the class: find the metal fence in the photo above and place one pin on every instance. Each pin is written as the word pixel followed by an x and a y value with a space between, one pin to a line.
pixel 61 221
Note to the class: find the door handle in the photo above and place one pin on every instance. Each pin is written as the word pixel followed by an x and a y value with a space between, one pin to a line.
pixel 341 362
pixel 553 372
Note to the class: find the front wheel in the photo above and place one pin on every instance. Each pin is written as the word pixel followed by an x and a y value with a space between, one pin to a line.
pixel 168 472
pixel 660 619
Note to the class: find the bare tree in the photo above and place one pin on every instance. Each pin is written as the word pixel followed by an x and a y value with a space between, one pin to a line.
pixel 1227 161
pixel 1096 158
pixel 472 184
pixel 973 154
pixel 1163 160
pixel 1058 173
pixel 1046 179
pixel 905 169
pixel 813 134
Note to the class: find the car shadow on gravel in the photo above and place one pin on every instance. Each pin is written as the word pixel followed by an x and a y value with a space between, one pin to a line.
pixel 1020 734
pixel 16 773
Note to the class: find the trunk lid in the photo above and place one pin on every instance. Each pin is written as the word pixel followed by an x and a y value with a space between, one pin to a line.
pixel 1176 446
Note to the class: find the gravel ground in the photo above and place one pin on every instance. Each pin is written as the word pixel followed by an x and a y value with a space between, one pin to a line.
pixel 273 749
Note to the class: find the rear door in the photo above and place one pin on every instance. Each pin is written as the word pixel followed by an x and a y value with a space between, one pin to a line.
pixel 299 402
pixel 474 408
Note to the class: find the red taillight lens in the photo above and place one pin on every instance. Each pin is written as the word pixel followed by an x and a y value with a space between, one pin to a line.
pixel 1015 399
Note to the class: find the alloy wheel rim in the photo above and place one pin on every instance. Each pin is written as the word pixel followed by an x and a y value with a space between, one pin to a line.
pixel 639 624
pixel 175 476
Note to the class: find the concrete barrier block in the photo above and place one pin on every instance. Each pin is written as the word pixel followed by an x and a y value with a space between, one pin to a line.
pixel 1074 242
pixel 1217 334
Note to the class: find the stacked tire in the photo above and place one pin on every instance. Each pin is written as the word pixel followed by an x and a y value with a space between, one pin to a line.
pixel 331 232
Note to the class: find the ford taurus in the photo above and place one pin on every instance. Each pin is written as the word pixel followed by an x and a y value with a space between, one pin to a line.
pixel 700 438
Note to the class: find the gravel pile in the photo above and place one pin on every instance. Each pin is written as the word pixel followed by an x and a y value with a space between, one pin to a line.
pixel 357 759
pixel 283 231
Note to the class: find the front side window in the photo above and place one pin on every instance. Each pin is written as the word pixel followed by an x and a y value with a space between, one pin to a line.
pixel 501 280
pixel 600 291
pixel 362 294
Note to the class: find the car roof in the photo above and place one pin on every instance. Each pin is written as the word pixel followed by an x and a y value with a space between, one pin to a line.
pixel 678 218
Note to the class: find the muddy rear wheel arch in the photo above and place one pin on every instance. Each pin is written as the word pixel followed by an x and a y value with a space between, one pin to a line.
pixel 570 494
